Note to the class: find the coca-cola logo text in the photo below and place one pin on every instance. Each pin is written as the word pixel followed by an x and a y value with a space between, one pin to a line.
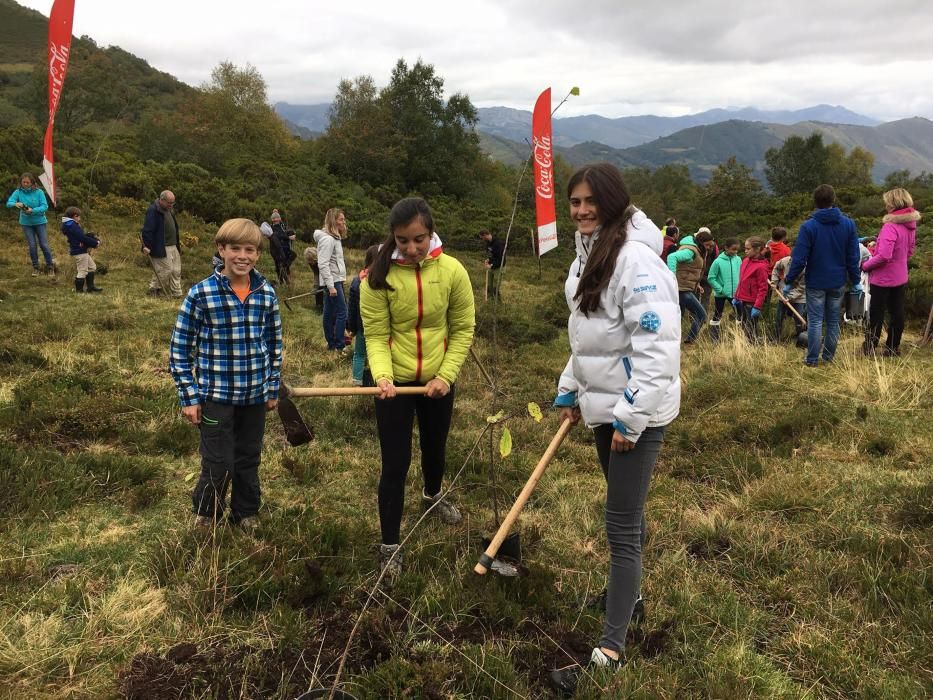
pixel 544 165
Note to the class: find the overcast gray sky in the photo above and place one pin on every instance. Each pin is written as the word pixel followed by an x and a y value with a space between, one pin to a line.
pixel 628 57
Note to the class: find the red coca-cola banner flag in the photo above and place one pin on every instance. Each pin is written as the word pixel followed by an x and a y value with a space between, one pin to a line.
pixel 60 21
pixel 545 212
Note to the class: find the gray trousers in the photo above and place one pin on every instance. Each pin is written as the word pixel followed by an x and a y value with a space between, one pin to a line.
pixel 628 475
pixel 231 445
pixel 166 273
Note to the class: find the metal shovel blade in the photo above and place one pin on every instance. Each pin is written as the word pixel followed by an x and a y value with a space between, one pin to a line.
pixel 505 566
pixel 297 431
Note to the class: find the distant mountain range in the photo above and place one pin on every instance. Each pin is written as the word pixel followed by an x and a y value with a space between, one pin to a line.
pixel 623 132
pixel 700 141
pixel 906 144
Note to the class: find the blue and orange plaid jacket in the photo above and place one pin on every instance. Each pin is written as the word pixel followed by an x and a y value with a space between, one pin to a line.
pixel 225 350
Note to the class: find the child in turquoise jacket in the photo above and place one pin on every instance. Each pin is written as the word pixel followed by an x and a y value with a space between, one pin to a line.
pixel 724 278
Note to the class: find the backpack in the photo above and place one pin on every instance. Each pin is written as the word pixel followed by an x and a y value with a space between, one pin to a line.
pixel 311 257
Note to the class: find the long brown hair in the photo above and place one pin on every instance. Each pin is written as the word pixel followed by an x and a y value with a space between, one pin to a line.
pixel 404 212
pixel 614 209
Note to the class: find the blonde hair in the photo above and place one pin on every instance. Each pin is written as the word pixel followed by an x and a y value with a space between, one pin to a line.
pixel 330 221
pixel 242 231
pixel 898 198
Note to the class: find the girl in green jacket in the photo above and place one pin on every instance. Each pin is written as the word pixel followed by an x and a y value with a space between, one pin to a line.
pixel 417 309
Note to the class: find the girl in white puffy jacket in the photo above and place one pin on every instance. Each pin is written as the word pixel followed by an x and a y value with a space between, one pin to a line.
pixel 623 376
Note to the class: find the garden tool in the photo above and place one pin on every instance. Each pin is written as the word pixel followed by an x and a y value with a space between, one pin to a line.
pixel 297 431
pixel 790 306
pixel 487 558
pixel 297 296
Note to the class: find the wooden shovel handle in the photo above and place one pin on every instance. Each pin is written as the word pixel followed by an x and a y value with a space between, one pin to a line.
pixel 485 560
pixel 318 391
pixel 787 303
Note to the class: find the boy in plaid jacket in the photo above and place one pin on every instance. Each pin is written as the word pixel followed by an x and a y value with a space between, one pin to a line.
pixel 225 357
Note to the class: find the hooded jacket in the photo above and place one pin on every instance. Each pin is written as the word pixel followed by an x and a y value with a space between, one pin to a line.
pixel 798 291
pixel 687 263
pixel 624 367
pixel 778 250
pixel 78 240
pixel 897 240
pixel 34 198
pixel 827 246
pixel 333 269
pixel 423 327
pixel 724 275
pixel 753 282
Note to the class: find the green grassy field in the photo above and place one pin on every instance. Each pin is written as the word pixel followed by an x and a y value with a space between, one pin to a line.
pixel 789 551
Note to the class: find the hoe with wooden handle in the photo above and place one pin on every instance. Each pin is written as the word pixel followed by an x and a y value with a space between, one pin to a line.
pixel 486 558
pixel 790 306
pixel 297 431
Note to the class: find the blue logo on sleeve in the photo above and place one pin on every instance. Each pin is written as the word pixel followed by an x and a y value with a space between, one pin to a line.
pixel 650 321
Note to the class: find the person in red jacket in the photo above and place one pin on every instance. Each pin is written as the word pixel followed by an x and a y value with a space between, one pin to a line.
pixel 753 286
pixel 777 247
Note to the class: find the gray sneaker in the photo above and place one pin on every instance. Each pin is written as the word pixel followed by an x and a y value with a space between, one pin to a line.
pixel 249 524
pixel 444 509
pixel 392 568
pixel 203 522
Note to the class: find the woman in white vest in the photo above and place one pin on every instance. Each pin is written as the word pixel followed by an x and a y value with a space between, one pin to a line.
pixel 623 376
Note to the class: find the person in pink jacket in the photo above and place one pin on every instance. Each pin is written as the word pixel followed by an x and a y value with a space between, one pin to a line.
pixel 887 271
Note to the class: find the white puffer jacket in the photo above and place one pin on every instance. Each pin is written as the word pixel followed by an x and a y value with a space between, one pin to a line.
pixel 330 259
pixel 624 367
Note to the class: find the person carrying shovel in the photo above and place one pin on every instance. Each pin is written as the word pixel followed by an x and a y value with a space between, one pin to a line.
pixel 623 377
pixel 416 304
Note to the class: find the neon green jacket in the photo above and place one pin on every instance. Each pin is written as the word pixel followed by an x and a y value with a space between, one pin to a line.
pixel 424 327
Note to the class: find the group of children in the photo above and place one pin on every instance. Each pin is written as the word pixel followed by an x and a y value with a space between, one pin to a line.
pixel 744 283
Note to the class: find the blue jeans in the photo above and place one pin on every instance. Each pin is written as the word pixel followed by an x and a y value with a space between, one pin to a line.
pixel 823 305
pixel 37 237
pixel 335 318
pixel 692 305
pixel 359 355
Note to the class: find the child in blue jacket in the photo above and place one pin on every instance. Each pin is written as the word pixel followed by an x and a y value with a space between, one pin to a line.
pixel 355 321
pixel 80 245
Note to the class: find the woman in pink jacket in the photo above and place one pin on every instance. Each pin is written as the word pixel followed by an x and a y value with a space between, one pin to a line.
pixel 887 270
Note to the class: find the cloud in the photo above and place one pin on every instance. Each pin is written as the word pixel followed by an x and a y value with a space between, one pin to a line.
pixel 627 56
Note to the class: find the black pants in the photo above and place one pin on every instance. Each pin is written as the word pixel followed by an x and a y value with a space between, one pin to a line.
pixel 231 445
pixel 890 299
pixel 394 419
pixel 628 476
pixel 749 324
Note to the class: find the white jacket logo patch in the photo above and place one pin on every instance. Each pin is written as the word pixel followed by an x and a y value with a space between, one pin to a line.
pixel 650 321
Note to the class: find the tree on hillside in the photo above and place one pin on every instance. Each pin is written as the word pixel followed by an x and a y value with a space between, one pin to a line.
pixel 406 139
pixel 799 165
pixel 361 143
pixel 850 170
pixel 244 88
pixel 731 188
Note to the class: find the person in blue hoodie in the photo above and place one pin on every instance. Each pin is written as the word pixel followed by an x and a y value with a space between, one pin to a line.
pixel 827 247
pixel 32 205
pixel 80 245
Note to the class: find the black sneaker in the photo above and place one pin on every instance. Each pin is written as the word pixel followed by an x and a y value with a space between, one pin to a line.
pixel 564 680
